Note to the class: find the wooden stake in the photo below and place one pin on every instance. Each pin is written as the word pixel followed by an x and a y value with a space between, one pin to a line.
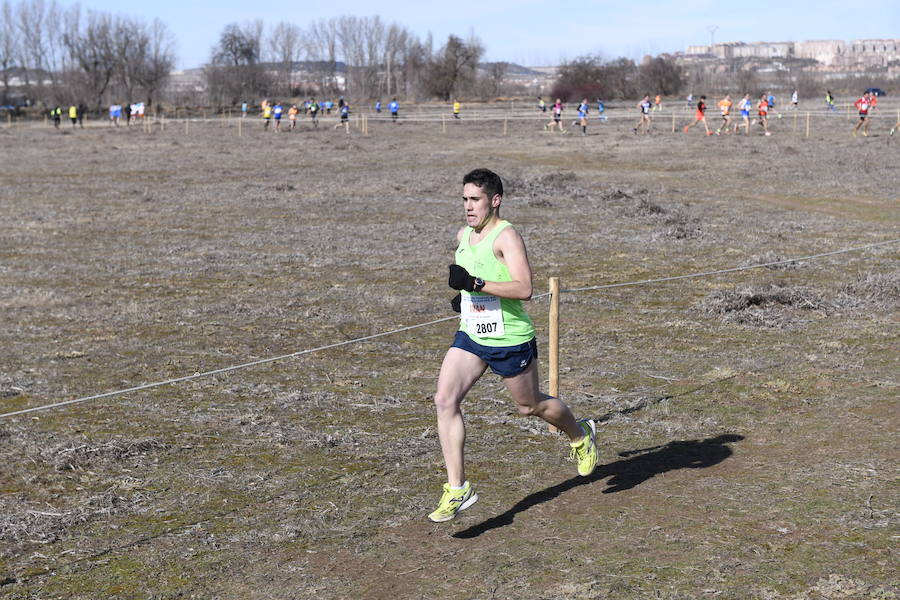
pixel 443 124
pixel 807 123
pixel 504 127
pixel 673 121
pixel 554 341
pixel 186 121
pixel 240 127
pixel 795 120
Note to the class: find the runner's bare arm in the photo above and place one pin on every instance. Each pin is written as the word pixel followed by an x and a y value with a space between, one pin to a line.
pixel 509 247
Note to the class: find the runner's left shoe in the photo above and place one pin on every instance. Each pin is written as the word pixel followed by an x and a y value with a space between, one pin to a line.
pixel 584 452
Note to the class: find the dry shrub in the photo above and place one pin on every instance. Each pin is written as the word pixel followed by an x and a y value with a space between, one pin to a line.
pixel 682 227
pixel 21 521
pixel 73 456
pixel 539 190
pixel 8 387
pixel 768 307
pixel 879 291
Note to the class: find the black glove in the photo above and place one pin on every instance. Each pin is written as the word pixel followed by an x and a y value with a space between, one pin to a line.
pixel 460 279
pixel 455 303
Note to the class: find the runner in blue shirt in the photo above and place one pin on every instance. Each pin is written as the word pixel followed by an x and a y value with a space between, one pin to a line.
pixel 582 116
pixel 394 107
pixel 378 107
pixel 345 117
pixel 276 112
pixel 601 108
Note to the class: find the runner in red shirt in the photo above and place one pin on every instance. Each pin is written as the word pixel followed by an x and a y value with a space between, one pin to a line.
pixel 762 108
pixel 863 105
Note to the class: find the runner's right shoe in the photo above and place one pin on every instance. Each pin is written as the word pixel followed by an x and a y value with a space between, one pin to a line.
pixel 453 501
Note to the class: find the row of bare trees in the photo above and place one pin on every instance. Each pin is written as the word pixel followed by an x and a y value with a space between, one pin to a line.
pixel 594 77
pixel 57 55
pixel 363 57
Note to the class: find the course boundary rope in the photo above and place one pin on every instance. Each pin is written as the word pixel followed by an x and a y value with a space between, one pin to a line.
pixel 263 361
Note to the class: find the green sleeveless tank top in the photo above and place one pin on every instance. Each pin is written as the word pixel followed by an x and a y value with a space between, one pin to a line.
pixel 479 260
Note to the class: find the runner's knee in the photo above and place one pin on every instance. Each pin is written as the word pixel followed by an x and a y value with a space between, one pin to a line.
pixel 445 403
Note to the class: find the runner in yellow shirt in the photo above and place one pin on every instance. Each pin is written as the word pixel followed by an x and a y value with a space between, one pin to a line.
pixel 266 114
pixel 456 108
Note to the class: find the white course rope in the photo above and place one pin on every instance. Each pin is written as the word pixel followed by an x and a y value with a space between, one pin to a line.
pixel 156 384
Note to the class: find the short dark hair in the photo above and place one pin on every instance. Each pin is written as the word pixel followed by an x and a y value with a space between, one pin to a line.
pixel 487 180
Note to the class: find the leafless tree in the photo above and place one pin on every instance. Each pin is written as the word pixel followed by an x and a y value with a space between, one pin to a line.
pixel 92 49
pixel 9 43
pixel 490 84
pixel 157 60
pixel 235 71
pixel 39 37
pixel 396 43
pixel 287 44
pixel 453 68
pixel 323 36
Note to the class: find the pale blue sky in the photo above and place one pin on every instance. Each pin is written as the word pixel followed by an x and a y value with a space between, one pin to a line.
pixel 539 32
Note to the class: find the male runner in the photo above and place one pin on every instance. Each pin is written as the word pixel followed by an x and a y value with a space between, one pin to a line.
pixel 314 112
pixel 644 123
pixel 557 117
pixel 582 116
pixel 456 108
pixel 345 117
pixel 762 109
pixel 601 108
pixel 394 107
pixel 292 115
pixel 699 116
pixel 266 114
pixel 863 105
pixel 277 111
pixel 493 275
pixel 725 105
pixel 744 106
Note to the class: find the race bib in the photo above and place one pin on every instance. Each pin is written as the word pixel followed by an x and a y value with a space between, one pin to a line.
pixel 483 315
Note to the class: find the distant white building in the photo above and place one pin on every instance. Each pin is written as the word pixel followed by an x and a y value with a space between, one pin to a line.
pixel 865 53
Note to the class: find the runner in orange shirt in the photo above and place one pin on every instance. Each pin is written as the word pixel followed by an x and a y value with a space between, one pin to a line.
pixel 725 105
pixel 700 116
pixel 292 115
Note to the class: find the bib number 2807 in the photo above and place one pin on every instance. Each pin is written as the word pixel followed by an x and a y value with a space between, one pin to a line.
pixel 484 329
pixel 483 315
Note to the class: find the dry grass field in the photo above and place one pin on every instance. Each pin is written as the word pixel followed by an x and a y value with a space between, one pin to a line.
pixel 747 421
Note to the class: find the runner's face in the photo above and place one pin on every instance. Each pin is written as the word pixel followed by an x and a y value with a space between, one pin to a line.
pixel 477 204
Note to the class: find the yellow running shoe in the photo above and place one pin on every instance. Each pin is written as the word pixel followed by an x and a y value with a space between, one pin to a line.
pixel 452 502
pixel 584 452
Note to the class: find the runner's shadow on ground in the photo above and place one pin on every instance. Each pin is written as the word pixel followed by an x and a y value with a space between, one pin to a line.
pixel 636 467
